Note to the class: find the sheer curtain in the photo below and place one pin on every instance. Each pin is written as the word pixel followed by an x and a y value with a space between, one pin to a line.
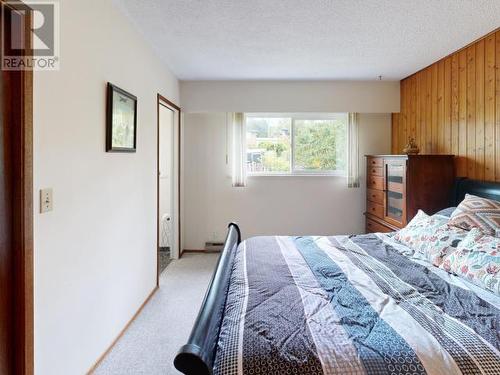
pixel 352 151
pixel 237 137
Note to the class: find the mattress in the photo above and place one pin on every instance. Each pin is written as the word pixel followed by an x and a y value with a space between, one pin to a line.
pixel 352 305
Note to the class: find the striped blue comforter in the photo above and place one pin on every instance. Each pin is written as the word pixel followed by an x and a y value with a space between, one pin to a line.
pixel 352 305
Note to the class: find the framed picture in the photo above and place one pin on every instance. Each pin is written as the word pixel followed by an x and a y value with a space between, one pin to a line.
pixel 121 120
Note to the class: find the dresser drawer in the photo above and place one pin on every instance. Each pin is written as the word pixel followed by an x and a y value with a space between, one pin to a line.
pixel 374 227
pixel 376 196
pixel 375 182
pixel 375 171
pixel 375 209
pixel 374 162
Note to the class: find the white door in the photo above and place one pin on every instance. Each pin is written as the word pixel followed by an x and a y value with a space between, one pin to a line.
pixel 168 208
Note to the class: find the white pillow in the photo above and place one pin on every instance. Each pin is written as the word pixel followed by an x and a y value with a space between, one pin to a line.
pixel 419 225
pixel 477 259
pixel 430 236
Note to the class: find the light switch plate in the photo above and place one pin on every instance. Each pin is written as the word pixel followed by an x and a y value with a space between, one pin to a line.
pixel 45 200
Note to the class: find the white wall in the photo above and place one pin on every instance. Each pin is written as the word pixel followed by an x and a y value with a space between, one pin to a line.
pixel 290 96
pixel 268 205
pixel 95 254
pixel 271 205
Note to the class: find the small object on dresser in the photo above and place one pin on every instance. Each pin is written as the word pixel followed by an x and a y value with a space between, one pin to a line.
pixel 411 147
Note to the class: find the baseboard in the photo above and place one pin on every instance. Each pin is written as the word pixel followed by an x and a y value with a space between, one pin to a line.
pixel 122 332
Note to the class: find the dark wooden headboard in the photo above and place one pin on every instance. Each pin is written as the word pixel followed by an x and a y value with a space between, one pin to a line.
pixel 490 190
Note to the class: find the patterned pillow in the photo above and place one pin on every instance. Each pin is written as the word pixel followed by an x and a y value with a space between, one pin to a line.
pixel 477 259
pixel 476 212
pixel 443 241
pixel 419 229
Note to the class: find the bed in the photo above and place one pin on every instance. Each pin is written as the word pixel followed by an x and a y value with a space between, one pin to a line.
pixel 359 304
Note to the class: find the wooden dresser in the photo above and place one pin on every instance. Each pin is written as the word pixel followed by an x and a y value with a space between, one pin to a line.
pixel 399 185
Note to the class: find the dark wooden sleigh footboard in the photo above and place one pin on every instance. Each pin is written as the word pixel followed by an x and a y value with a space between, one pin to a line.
pixel 197 356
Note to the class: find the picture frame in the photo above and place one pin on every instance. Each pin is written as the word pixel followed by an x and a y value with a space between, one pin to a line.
pixel 121 120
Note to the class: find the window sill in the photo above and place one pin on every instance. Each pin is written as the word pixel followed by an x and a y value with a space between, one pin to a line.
pixel 296 175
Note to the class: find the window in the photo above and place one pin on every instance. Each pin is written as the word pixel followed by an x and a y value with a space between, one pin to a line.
pixel 296 144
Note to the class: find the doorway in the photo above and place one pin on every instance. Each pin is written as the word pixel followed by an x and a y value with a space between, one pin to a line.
pixel 168 223
pixel 16 199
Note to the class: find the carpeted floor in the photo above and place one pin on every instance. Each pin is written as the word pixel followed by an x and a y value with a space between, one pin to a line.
pixel 152 340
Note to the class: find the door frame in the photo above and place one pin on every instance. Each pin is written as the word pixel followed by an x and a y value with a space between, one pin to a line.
pixel 20 96
pixel 162 101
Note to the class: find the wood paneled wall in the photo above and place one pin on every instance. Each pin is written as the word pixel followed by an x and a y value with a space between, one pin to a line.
pixel 453 107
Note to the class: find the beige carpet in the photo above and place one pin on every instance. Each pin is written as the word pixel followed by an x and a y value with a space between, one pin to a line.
pixel 152 340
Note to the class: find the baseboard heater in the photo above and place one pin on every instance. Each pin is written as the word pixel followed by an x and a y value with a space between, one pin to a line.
pixel 213 247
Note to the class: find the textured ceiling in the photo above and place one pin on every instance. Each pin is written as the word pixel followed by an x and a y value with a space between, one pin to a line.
pixel 307 39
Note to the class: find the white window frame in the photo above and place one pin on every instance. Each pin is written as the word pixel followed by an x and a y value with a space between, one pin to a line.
pixel 293 117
